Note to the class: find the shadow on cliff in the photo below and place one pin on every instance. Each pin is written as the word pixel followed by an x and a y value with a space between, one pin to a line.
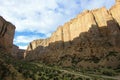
pixel 96 42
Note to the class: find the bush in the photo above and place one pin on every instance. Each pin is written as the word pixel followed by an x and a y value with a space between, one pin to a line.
pixel 108 72
pixel 112 53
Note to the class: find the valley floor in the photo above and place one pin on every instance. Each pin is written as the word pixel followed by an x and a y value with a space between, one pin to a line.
pixel 12 69
pixel 84 75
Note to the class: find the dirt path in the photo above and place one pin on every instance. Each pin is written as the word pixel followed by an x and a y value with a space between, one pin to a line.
pixel 80 74
pixel 103 76
pixel 74 73
pixel 65 71
pixel 90 76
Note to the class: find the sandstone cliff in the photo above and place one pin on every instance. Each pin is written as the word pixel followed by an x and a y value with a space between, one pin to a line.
pixel 7 31
pixel 92 38
pixel 6 34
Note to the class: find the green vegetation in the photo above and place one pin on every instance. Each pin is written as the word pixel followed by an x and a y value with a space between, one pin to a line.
pixel 108 72
pixel 11 69
pixel 112 53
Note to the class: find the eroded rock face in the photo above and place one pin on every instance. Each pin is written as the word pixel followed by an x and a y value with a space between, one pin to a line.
pixel 7 31
pixel 117 1
pixel 6 34
pixel 115 12
pixel 17 53
pixel 91 39
pixel 35 45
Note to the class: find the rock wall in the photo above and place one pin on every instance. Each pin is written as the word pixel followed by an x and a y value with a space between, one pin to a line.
pixel 91 35
pixel 17 53
pixel 115 12
pixel 98 18
pixel 117 2
pixel 7 31
pixel 6 34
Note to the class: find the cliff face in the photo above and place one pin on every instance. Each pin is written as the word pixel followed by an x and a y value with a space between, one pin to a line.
pixel 91 35
pixel 117 2
pixel 7 31
pixel 6 34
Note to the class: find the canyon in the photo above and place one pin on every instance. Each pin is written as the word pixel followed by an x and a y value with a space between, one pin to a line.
pixel 85 48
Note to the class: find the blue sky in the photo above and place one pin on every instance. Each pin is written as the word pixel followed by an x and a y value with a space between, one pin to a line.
pixel 35 19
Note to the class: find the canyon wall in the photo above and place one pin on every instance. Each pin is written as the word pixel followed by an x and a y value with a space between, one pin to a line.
pixel 6 34
pixel 91 35
pixel 7 31
pixel 98 18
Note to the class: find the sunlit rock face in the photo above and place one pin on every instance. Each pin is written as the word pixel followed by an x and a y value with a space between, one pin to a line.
pixel 7 30
pixel 115 12
pixel 91 35
pixel 117 1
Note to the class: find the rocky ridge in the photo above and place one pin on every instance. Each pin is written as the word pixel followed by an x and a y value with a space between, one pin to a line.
pixel 91 35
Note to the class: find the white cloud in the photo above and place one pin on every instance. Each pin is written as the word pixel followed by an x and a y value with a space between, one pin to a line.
pixel 23 47
pixel 25 39
pixel 41 15
pixel 37 15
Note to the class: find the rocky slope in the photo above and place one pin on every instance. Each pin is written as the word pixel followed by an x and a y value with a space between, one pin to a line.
pixel 89 40
pixel 12 69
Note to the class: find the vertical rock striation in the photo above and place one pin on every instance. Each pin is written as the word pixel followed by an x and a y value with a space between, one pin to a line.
pixel 6 34
pixel 91 35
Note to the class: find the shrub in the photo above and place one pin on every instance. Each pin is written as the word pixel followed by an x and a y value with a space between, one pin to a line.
pixel 112 53
pixel 108 72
